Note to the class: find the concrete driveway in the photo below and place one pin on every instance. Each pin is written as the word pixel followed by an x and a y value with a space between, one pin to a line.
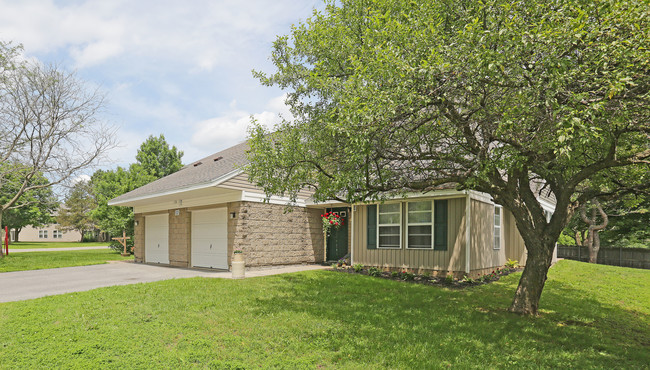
pixel 22 285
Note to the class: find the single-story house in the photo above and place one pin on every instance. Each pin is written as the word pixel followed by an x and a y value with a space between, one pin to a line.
pixel 45 233
pixel 199 215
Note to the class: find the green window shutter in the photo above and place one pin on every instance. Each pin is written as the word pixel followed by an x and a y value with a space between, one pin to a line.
pixel 372 226
pixel 440 225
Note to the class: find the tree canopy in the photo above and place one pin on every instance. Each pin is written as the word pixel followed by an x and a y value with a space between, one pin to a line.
pixel 395 95
pixel 76 211
pixel 155 159
pixel 36 207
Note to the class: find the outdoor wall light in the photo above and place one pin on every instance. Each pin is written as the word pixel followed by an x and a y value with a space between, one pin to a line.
pixel 137 223
pixel 233 215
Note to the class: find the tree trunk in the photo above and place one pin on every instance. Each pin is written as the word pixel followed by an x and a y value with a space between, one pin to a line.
pixel 593 239
pixel 595 247
pixel 578 238
pixel 531 284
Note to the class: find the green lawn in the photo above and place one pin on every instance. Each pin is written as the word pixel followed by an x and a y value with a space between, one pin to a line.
pixel 593 317
pixel 48 260
pixel 32 245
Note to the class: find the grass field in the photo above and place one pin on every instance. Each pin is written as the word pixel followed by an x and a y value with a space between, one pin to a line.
pixel 33 245
pixel 592 317
pixel 48 260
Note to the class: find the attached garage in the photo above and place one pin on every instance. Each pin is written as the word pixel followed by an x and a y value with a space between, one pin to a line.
pixel 156 245
pixel 210 238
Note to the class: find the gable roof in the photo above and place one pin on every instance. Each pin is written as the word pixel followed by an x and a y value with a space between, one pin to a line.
pixel 208 171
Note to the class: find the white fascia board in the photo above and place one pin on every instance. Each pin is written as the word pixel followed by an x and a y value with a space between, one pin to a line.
pixel 184 189
pixel 487 198
pixel 481 196
pixel 248 196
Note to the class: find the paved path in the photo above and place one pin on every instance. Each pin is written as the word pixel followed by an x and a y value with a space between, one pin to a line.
pixel 53 249
pixel 22 285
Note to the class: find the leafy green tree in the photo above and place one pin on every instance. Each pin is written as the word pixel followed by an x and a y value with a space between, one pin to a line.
pixel 76 211
pixel 157 158
pixel 629 218
pixel 35 208
pixel 508 98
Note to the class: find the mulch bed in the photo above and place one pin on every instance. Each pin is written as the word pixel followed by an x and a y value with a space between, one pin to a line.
pixel 432 280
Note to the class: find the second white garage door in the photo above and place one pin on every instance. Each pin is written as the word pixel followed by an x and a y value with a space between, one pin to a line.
pixel 210 238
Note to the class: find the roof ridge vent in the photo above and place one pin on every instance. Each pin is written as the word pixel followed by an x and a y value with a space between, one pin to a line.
pixel 218 158
pixel 198 163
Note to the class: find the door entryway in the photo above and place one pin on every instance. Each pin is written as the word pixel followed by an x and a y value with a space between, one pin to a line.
pixel 337 240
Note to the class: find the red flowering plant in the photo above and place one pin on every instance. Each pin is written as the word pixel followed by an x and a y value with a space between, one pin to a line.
pixel 331 220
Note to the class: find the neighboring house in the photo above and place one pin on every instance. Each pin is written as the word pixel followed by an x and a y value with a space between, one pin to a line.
pixel 199 215
pixel 46 233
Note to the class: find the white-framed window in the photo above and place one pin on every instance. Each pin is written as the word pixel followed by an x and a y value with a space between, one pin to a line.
pixel 419 225
pixel 42 234
pixel 498 215
pixel 57 234
pixel 389 225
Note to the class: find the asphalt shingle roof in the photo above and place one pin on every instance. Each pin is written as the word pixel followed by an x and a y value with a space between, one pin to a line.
pixel 203 171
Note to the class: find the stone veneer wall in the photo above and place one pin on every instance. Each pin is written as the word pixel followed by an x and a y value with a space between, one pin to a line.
pixel 266 234
pixel 269 236
pixel 179 237
pixel 138 238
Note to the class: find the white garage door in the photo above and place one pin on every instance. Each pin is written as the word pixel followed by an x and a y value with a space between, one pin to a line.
pixel 156 239
pixel 210 238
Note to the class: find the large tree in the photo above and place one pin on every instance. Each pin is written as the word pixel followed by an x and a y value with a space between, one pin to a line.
pixel 508 98
pixel 75 214
pixel 155 159
pixel 36 206
pixel 48 126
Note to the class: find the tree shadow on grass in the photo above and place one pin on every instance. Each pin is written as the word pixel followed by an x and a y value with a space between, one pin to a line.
pixel 395 324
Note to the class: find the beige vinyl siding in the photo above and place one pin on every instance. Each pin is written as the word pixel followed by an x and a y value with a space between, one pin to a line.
pixel 453 259
pixel 483 255
pixel 514 245
pixel 240 182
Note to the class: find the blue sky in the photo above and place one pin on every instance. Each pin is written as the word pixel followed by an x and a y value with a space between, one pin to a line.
pixel 178 68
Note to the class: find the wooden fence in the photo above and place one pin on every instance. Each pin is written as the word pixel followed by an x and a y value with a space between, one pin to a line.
pixel 626 257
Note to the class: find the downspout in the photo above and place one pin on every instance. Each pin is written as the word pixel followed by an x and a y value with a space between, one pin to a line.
pixel 468 234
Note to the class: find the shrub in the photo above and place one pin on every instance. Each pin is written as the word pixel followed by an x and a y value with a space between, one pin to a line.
pixel 467 279
pixel 513 264
pixel 449 278
pixel 373 271
pixel 394 274
pixel 407 276
pixel 357 267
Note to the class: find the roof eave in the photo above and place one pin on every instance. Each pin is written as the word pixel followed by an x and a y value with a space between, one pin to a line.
pixel 216 182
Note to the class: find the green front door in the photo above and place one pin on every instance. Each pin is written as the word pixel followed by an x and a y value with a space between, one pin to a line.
pixel 337 240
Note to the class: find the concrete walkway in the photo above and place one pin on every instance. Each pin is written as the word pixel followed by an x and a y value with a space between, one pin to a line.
pixel 22 285
pixel 54 249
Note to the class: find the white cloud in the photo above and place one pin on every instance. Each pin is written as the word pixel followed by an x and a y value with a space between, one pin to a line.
pixel 203 34
pixel 218 133
pixel 80 178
